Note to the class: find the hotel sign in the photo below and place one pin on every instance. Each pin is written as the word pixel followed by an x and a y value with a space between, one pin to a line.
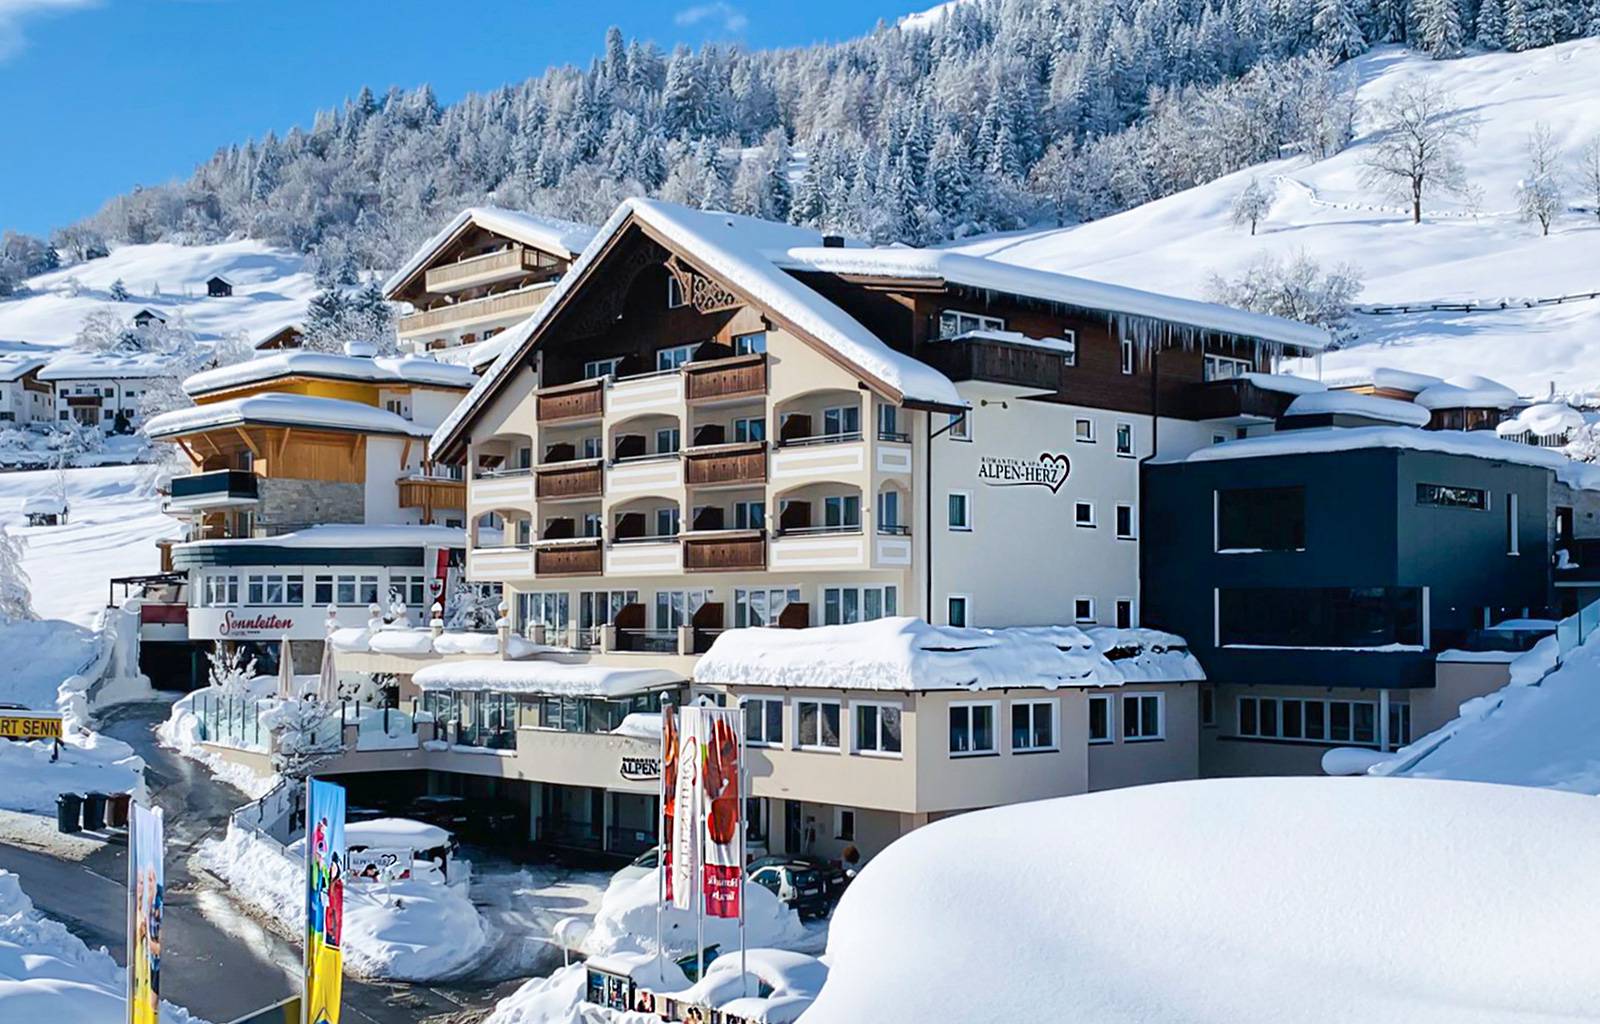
pixel 641 769
pixel 1050 469
pixel 253 624
pixel 30 725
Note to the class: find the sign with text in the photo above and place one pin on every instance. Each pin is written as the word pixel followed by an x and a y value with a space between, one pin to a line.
pixel 30 725
pixel 375 864
pixel 1050 469
pixel 640 769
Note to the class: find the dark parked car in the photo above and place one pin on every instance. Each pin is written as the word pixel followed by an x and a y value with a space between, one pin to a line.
pixel 799 882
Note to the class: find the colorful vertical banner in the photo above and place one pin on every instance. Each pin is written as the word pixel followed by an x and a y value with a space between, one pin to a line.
pixel 326 863
pixel 669 788
pixel 146 891
pixel 721 749
pixel 684 848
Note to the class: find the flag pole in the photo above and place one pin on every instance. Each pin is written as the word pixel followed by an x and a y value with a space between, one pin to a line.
pixel 744 824
pixel 700 846
pixel 133 892
pixel 305 917
pixel 662 839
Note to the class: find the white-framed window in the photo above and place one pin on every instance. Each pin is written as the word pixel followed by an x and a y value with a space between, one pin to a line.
pixel 956 609
pixel 1083 430
pixel 1316 720
pixel 675 356
pixel 592 523
pixel 889 511
pixel 1128 356
pixel 843 605
pixel 594 447
pixel 675 297
pixel 1513 540
pixel 1083 609
pixel 762 607
pixel 953 323
pixel 749 344
pixel 667 521
pixel 960 428
pixel 1083 513
pixel 676 608
pixel 841 511
pixel 750 428
pixel 1033 726
pixel 1225 367
pixel 1124 521
pixel 595 368
pixel 1100 719
pixel 1124 613
pixel 877 728
pixel 749 515
pixel 1143 716
pixel 1218 438
pixel 275 590
pixel 844 823
pixel 221 590
pixel 550 609
pixel 1125 440
pixel 1069 356
pixel 816 724
pixel 972 729
pixel 841 421
pixel 959 506
pixel 888 422
pixel 763 721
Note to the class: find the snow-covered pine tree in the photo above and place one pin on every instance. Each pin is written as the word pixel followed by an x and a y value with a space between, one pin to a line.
pixel 16 601
pixel 1337 29
pixel 1491 25
pixel 1438 27
pixel 1541 193
pixel 119 291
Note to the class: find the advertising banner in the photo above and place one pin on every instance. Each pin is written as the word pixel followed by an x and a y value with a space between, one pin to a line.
pixel 684 848
pixel 376 864
pixel 146 890
pixel 669 789
pixel 326 864
pixel 720 747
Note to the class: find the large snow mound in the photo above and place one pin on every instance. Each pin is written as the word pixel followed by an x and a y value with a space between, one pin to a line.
pixel 626 922
pixel 1289 901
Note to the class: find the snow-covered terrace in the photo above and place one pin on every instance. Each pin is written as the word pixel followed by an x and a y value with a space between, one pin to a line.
pixel 544 677
pixel 351 536
pixel 1352 403
pixel 285 410
pixel 402 370
pixel 563 238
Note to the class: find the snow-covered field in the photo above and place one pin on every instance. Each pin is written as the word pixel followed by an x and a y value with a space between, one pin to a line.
pixel 1287 901
pixel 1456 254
pixel 270 289
pixel 48 974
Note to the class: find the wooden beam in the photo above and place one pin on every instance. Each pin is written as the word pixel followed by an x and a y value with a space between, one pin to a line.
pixel 283 446
pixel 247 442
pixel 405 454
pixel 194 457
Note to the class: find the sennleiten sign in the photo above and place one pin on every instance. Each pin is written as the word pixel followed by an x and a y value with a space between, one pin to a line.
pixel 30 725
pixel 1050 470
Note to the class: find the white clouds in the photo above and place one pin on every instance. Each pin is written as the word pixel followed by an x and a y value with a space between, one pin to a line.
pixel 718 13
pixel 14 12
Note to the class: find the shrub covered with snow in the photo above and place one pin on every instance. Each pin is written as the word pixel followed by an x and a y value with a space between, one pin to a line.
pixel 626 922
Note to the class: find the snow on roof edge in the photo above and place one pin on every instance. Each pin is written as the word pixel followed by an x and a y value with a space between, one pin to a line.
pixel 563 237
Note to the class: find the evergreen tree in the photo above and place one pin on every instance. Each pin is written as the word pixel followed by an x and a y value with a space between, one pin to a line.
pixel 16 601
pixel 1491 26
pixel 119 291
pixel 1337 30
pixel 1438 27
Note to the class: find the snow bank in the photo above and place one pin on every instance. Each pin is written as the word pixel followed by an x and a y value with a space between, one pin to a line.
pixel 626 922
pixel 181 732
pixel 559 999
pixel 88 763
pixel 48 974
pixel 1466 391
pixel 1078 909
pixel 1542 420
pixel 1350 403
pixel 431 931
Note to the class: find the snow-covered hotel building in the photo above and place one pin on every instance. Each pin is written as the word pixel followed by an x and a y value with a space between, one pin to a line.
pixel 715 423
pixel 24 398
pixel 311 485
pixel 101 391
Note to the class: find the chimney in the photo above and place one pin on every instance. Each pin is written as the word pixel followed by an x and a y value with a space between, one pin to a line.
pixel 833 241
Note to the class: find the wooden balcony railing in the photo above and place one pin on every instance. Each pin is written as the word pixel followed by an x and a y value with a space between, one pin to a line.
pixel 432 492
pixel 569 480
pixel 744 463
pixel 491 266
pixel 569 559
pixel 734 377
pixel 733 550
pixel 523 300
pixel 584 399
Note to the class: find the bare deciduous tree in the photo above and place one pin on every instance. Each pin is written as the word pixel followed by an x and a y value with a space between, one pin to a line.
pixel 1420 131
pixel 1540 194
pixel 1589 171
pixel 1251 206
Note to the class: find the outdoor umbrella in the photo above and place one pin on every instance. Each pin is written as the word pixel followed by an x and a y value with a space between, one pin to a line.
pixel 285 671
pixel 328 679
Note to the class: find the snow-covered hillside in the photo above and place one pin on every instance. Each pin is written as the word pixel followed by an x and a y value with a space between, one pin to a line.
pixel 271 289
pixel 1456 254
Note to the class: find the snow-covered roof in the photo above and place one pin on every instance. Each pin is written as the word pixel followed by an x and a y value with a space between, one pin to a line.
pixel 790 976
pixel 544 677
pixel 993 275
pixel 296 363
pixel 1478 444
pixel 1287 383
pixel 282 409
pixel 381 535
pixel 101 366
pixel 1353 403
pixel 559 237
pixel 1468 391
pixel 909 654
pixel 43 505
pixel 15 367
pixel 1384 377
pixel 395 833
pixel 1542 420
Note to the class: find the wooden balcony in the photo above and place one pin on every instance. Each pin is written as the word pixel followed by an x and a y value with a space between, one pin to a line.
pixel 580 558
pixel 1002 363
pixel 489 268
pixel 521 301
pixel 568 480
pixel 726 551
pixel 726 464
pixel 580 401
pixel 733 377
pixel 431 493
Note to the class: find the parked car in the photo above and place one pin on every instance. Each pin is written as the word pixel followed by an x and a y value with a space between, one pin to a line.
pixel 796 881
pixel 641 865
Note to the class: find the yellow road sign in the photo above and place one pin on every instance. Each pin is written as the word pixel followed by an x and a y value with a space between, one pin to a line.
pixel 29 725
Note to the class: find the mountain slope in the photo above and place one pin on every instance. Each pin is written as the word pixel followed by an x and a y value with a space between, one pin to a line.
pixel 1456 254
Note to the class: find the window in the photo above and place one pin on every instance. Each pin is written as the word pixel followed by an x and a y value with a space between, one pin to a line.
pixel 1208 706
pixel 675 297
pixel 221 590
pixel 749 344
pixel 889 423
pixel 1225 367
pixel 676 608
pixel 762 607
pixel 1315 720
pixel 1125 439
pixel 275 590
pixel 1033 726
pixel 816 724
pixel 955 609
pixel 959 504
pixel 877 728
pixel 1513 540
pixel 1083 431
pixel 841 512
pixel 889 512
pixel 841 421
pixel 1321 617
pixel 1124 522
pixel 1083 513
pixel 844 824
pixel 1099 719
pixel 1083 609
pixel 591 524
pixel 599 607
pixel 972 730
pixel 1261 519
pixel 960 428
pixel 601 368
pixel 322 591
pixel 843 605
pixel 1127 356
pixel 667 440
pixel 676 356
pixel 549 609
pixel 667 522
pixel 749 515
pixel 594 447
pixel 1124 613
pixel 763 721
pixel 1448 496
pixel 750 428
pixel 1142 716
pixel 954 323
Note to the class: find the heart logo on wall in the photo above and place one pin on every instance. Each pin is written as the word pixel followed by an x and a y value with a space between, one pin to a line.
pixel 1055 481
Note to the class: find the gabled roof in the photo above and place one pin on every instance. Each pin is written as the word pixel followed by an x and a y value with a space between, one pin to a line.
pixel 100 366
pixel 16 367
pixel 562 238
pixel 218 277
pixel 414 370
pixel 283 410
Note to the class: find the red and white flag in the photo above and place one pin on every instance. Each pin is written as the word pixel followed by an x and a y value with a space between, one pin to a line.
pixel 669 789
pixel 721 748
pixel 684 844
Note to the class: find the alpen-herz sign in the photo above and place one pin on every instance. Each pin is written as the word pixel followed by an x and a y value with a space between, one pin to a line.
pixel 1051 470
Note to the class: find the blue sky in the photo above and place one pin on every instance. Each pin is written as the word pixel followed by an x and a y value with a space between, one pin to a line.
pixel 97 96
